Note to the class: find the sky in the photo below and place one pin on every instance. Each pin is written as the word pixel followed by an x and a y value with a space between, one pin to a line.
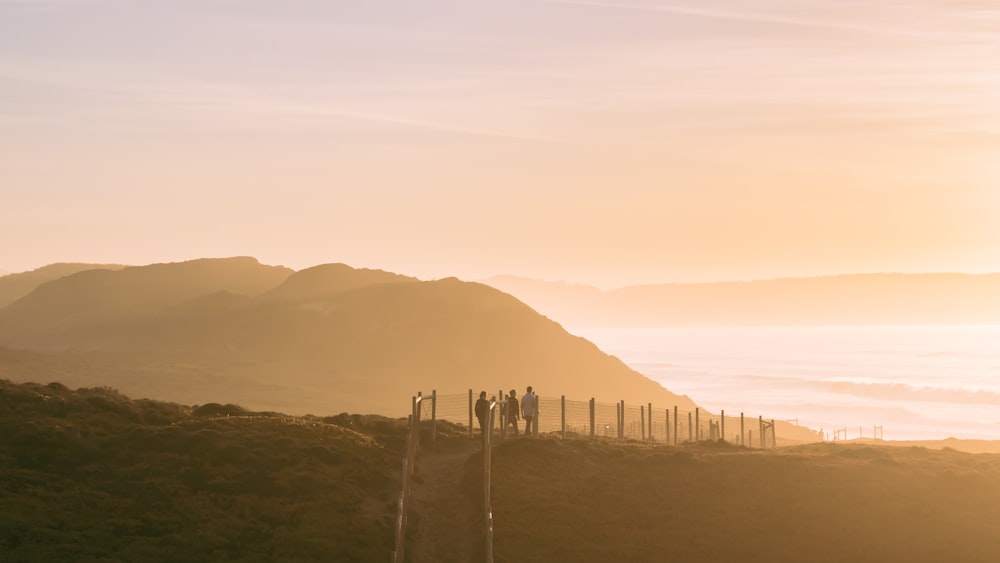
pixel 603 142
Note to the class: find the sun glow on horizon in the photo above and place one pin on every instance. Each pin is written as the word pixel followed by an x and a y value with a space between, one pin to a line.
pixel 604 142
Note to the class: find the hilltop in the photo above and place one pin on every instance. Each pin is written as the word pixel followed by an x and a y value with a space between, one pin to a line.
pixel 857 299
pixel 15 286
pixel 328 337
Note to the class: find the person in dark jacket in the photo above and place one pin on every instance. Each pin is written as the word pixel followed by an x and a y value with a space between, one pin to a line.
pixel 513 410
pixel 483 414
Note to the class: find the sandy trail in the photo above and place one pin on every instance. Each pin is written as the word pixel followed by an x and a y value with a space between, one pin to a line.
pixel 446 523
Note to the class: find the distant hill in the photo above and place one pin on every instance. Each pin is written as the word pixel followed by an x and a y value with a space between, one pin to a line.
pixel 77 303
pixel 16 286
pixel 330 338
pixel 825 300
pixel 328 279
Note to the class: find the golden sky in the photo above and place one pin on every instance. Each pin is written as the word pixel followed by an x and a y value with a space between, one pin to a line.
pixel 606 142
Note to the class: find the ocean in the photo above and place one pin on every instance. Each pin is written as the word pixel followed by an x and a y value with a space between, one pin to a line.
pixel 897 382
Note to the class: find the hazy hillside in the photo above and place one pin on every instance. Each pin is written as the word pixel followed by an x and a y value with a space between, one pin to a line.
pixel 838 300
pixel 326 338
pixel 16 286
pixel 93 298
pixel 327 279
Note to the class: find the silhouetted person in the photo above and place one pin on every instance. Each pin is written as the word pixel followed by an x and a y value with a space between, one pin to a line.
pixel 529 410
pixel 483 414
pixel 513 410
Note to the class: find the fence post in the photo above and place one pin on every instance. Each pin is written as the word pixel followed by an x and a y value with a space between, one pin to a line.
pixel 774 434
pixel 676 438
pixel 763 437
pixel 621 423
pixel 666 427
pixel 470 414
pixel 502 416
pixel 618 419
pixel 742 441
pixel 538 414
pixel 563 401
pixel 642 422
pixel 690 428
pixel 434 407
pixel 649 409
pixel 697 424
pixel 487 446
pixel 418 410
pixel 414 434
pixel 593 418
pixel 723 429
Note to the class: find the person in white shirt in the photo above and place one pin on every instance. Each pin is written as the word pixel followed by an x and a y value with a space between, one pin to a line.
pixel 529 410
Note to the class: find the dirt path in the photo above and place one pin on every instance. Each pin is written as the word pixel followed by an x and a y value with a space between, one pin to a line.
pixel 446 521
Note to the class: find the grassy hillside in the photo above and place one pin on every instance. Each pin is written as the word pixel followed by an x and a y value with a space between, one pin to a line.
pixel 91 475
pixel 586 502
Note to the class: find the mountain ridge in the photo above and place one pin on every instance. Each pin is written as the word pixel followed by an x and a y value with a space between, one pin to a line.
pixel 880 298
pixel 13 286
pixel 335 338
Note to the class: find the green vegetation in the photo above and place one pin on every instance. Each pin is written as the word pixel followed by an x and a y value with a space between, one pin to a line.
pixel 90 475
pixel 593 501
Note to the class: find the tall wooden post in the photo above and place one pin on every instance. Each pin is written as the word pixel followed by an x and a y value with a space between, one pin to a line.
pixel 774 434
pixel 690 428
pixel 564 417
pixel 676 438
pixel 666 428
pixel 742 441
pixel 618 419
pixel 502 407
pixel 763 437
pixel 434 405
pixel 501 415
pixel 621 423
pixel 593 418
pixel 649 409
pixel 470 414
pixel 538 414
pixel 722 430
pixel 642 422
pixel 414 433
pixel 697 424
pixel 487 454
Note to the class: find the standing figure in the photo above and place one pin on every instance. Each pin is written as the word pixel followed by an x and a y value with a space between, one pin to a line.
pixel 483 414
pixel 529 410
pixel 513 410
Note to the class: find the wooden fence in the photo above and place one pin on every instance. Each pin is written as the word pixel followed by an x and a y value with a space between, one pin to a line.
pixel 568 419
pixel 409 462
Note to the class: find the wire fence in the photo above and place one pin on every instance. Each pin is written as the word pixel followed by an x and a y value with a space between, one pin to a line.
pixel 591 419
pixel 570 419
